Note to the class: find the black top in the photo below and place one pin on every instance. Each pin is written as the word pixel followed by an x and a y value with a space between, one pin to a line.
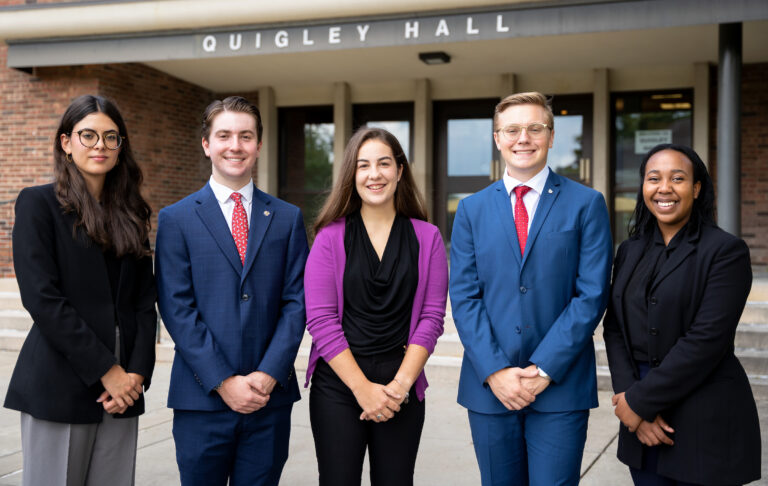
pixel 637 292
pixel 378 295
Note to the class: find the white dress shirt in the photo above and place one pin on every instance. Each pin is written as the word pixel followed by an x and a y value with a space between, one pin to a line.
pixel 226 203
pixel 531 198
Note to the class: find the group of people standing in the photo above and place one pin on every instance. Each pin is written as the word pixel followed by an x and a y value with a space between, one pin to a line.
pixel 236 285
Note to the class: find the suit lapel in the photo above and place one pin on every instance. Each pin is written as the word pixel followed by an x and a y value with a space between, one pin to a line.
pixel 546 201
pixel 261 217
pixel 504 206
pixel 684 248
pixel 210 213
pixel 634 251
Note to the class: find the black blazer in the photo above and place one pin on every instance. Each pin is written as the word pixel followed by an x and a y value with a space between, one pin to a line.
pixel 696 382
pixel 65 287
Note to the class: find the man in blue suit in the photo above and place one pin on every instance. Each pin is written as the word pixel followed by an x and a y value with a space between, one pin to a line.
pixel 230 268
pixel 530 268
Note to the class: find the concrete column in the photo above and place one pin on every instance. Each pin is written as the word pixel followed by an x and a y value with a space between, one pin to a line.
pixel 601 134
pixel 342 123
pixel 266 171
pixel 729 129
pixel 422 159
pixel 701 110
pixel 507 85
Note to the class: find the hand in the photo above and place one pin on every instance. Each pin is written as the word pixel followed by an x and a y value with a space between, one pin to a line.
pixel 121 387
pixel 396 391
pixel 110 405
pixel 240 396
pixel 537 384
pixel 377 405
pixel 261 382
pixel 627 416
pixel 507 385
pixel 653 433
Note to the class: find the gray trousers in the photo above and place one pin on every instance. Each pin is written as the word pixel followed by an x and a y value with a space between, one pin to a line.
pixel 58 454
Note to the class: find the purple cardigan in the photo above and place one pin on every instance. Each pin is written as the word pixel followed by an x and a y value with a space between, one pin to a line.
pixel 324 294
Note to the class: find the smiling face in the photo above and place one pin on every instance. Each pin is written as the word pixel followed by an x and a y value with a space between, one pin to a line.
pixel 669 190
pixel 93 163
pixel 233 148
pixel 376 175
pixel 527 155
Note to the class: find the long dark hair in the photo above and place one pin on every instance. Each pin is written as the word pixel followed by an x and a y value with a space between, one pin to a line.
pixel 344 198
pixel 703 211
pixel 121 222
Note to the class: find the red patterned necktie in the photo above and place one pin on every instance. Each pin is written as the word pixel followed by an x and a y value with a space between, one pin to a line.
pixel 521 216
pixel 239 226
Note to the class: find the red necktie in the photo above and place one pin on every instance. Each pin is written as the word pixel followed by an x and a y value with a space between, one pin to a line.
pixel 239 226
pixel 521 217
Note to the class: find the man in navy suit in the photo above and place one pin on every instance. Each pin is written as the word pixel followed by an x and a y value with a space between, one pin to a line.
pixel 230 268
pixel 530 268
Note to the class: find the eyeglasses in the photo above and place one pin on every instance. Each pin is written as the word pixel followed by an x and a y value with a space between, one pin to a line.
pixel 89 138
pixel 512 132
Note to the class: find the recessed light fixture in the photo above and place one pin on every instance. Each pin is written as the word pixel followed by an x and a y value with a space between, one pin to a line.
pixel 434 58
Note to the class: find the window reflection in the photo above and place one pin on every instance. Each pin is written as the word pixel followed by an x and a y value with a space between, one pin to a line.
pixel 400 129
pixel 470 146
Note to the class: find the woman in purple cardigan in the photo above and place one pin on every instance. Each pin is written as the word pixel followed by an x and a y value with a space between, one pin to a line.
pixel 375 286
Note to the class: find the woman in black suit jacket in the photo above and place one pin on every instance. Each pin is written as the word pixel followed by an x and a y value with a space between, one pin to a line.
pixel 82 261
pixel 679 287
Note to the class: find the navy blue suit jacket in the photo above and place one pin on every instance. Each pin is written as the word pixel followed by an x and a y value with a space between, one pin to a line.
pixel 543 307
pixel 227 318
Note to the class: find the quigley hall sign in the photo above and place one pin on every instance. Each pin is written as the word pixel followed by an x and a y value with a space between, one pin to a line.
pixel 425 30
pixel 272 39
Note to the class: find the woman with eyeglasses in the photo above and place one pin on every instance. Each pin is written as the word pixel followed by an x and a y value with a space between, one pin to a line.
pixel 375 287
pixel 679 287
pixel 84 268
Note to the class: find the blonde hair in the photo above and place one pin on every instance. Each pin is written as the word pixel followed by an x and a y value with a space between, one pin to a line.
pixel 529 98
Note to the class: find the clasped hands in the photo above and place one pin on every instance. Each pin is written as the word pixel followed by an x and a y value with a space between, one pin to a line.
pixel 121 389
pixel 516 388
pixel 247 393
pixel 380 402
pixel 649 433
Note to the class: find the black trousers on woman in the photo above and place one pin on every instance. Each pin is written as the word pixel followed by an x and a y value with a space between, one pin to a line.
pixel 341 438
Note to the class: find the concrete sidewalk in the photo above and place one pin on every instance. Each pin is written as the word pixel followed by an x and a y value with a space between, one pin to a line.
pixel 445 457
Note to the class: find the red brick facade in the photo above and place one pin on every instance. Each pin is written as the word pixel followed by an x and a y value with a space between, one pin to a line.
pixel 162 114
pixel 754 158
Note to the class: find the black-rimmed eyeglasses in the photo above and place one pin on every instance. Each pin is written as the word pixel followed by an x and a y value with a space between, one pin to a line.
pixel 89 138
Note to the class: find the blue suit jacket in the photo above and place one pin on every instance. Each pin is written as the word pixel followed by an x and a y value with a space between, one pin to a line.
pixel 543 307
pixel 224 317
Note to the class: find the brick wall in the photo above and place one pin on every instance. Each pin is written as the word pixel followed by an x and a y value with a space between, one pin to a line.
pixel 754 158
pixel 162 114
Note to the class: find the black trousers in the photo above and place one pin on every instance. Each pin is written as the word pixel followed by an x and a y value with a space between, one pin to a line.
pixel 341 438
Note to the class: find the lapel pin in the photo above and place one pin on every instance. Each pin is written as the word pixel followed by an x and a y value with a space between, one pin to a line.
pixel 550 191
pixel 266 213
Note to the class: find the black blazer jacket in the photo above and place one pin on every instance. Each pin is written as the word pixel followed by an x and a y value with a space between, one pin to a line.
pixel 65 287
pixel 696 382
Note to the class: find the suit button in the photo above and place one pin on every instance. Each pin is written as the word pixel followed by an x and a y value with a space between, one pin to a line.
pixel 523 290
pixel 246 297
pixel 654 331
pixel 653 300
pixel 655 362
pixel 517 329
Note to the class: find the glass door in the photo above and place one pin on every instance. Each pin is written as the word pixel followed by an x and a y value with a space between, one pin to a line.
pixel 465 155
pixel 640 122
pixel 305 141
pixel 571 152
